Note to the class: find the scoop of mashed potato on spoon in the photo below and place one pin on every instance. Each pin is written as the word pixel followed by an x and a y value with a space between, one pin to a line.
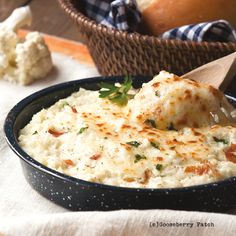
pixel 169 102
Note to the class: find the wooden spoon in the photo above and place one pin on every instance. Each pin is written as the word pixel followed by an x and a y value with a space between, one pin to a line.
pixel 218 73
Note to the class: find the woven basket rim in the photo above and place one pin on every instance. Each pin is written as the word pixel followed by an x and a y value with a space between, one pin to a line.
pixel 75 14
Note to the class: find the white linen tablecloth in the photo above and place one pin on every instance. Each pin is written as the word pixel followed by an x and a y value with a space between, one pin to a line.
pixel 24 212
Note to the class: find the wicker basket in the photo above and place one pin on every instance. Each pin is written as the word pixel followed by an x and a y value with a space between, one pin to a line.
pixel 117 52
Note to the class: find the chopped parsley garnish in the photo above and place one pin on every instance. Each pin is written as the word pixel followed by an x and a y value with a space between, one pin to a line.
pixel 171 127
pixel 116 94
pixel 35 132
pixel 157 93
pixel 82 130
pixel 218 140
pixel 133 143
pixel 159 166
pixel 150 123
pixel 64 103
pixel 105 137
pixel 139 157
pixel 155 145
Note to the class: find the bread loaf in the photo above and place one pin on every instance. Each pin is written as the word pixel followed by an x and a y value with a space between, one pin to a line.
pixel 162 15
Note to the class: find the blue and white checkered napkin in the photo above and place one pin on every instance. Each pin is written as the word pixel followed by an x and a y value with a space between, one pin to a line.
pixel 119 14
pixel 124 15
pixel 220 31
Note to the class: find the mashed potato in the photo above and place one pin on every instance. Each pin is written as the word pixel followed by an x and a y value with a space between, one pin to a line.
pixel 93 139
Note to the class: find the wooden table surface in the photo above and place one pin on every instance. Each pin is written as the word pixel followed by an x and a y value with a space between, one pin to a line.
pixel 48 17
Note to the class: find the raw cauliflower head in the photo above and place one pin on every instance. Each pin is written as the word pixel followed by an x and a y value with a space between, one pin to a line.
pixel 33 58
pixel 8 42
pixel 170 102
pixel 22 61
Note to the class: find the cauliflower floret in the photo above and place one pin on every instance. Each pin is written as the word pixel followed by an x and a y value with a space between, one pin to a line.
pixel 8 42
pixel 26 61
pixel 33 59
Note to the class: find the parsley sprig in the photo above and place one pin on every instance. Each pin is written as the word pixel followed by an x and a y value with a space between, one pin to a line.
pixel 219 140
pixel 116 94
pixel 159 167
pixel 155 145
pixel 82 129
pixel 133 143
pixel 139 157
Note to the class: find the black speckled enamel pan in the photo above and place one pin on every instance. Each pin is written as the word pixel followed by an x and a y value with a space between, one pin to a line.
pixel 76 194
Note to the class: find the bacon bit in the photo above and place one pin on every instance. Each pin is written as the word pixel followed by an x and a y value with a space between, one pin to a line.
pixel 192 141
pixel 159 158
pixel 127 147
pixel 199 170
pixel 155 85
pixel 125 126
pixel 95 157
pixel 100 124
pixel 97 117
pixel 202 169
pixel 108 133
pixel 212 168
pixel 147 176
pixel 151 133
pixel 69 162
pixel 55 133
pixel 74 109
pixel 129 179
pixel 230 153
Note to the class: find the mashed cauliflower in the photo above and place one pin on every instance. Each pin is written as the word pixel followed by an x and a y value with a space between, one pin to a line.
pixel 174 103
pixel 93 139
